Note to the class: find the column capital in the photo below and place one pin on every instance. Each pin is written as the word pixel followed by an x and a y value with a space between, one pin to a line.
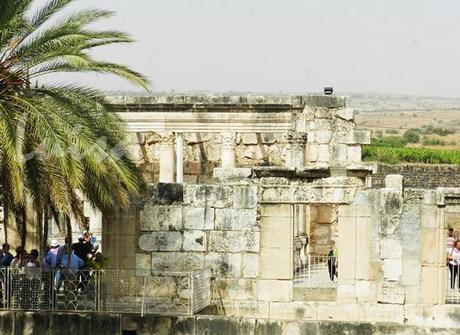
pixel 167 139
pixel 228 139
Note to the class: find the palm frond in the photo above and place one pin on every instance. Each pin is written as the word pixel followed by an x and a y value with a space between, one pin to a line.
pixel 48 10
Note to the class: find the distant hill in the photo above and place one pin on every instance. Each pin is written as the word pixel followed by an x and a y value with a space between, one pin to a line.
pixel 393 102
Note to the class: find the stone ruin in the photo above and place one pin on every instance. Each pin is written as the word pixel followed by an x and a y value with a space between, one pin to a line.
pixel 256 187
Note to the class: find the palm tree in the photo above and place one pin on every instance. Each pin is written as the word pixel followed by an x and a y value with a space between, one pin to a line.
pixel 58 139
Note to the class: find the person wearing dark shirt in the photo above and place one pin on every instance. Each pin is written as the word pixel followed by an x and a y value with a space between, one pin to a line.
pixel 83 250
pixel 5 256
pixel 5 260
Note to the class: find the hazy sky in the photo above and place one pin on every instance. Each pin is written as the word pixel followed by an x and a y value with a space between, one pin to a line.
pixel 392 46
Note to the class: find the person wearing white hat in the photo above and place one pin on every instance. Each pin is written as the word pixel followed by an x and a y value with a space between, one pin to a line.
pixel 50 258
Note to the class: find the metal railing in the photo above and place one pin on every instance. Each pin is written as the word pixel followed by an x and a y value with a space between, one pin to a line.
pixel 319 271
pixel 453 284
pixel 114 291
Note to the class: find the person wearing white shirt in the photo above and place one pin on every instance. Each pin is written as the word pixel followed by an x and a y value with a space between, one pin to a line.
pixel 450 240
pixel 454 264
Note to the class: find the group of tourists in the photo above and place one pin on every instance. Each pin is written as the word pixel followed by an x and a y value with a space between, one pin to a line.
pixel 62 263
pixel 73 257
pixel 453 257
pixel 22 259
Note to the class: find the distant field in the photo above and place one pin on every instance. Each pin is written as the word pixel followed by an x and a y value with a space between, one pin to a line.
pixel 396 123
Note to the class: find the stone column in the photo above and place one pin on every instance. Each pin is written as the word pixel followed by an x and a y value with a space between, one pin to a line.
pixel 302 219
pixel 309 249
pixel 228 150
pixel 296 150
pixel 179 158
pixel 302 234
pixel 167 158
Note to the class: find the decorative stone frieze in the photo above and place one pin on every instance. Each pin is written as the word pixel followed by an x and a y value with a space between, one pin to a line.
pixel 274 181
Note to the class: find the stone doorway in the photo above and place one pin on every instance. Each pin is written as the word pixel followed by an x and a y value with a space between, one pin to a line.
pixel 315 227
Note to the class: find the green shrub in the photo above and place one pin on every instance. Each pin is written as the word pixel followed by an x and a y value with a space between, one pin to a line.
pixel 394 155
pixel 412 136
pixel 432 141
pixel 430 129
pixel 390 141
pixel 392 131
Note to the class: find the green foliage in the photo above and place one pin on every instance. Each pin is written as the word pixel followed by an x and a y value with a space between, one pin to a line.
pixel 390 141
pixel 392 131
pixel 412 136
pixel 395 155
pixel 432 141
pixel 56 139
pixel 430 129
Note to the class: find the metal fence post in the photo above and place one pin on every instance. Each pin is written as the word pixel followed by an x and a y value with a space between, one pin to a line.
pixel 7 285
pixel 192 293
pixel 53 293
pixel 98 291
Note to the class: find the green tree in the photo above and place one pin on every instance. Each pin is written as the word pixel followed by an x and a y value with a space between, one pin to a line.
pixel 58 139
pixel 412 136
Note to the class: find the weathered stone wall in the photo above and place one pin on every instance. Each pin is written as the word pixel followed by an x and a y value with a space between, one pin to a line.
pixel 426 176
pixel 391 245
pixel 19 323
pixel 396 248
pixel 331 136
pixel 242 222
pixel 213 226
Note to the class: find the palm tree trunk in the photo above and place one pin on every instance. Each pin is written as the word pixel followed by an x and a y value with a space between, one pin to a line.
pixel 45 227
pixel 6 214
pixel 40 229
pixel 68 230
pixel 23 231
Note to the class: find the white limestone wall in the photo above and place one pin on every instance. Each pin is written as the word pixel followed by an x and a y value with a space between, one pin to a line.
pixel 215 226
pixel 331 138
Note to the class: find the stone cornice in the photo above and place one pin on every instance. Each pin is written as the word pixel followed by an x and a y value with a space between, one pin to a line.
pixel 190 102
pixel 208 122
pixel 215 114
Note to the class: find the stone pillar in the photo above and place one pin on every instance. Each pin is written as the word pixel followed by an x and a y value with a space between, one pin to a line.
pixel 309 249
pixel 301 232
pixel 228 150
pixel 167 158
pixel 302 219
pixel 179 158
pixel 296 150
